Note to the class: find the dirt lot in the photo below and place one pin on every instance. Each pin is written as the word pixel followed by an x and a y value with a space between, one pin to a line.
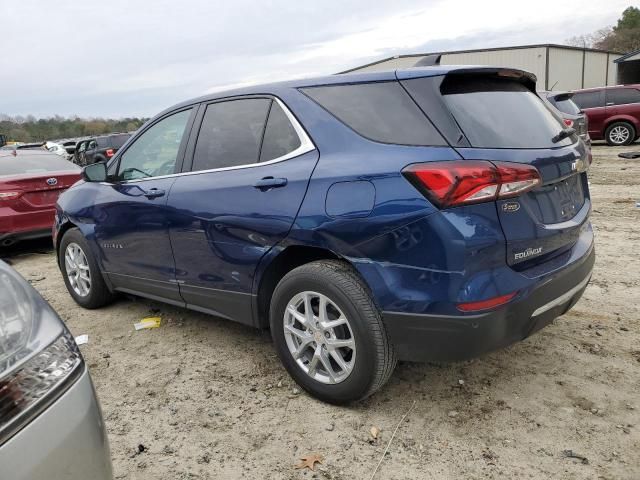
pixel 209 399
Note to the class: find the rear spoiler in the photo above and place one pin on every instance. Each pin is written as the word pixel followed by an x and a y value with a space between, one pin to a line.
pixel 561 96
pixel 528 79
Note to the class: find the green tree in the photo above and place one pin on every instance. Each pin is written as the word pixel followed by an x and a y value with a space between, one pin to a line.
pixel 623 37
pixel 30 129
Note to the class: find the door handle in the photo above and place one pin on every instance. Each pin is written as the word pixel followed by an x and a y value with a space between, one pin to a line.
pixel 267 183
pixel 153 193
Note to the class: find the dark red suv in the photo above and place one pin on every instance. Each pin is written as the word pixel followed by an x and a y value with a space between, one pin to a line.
pixel 613 112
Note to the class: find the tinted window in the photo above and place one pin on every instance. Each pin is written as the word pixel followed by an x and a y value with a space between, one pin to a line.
pixel 29 163
pixel 103 142
pixel 231 133
pixel 383 112
pixel 119 140
pixel 622 96
pixel 498 113
pixel 588 99
pixel 565 105
pixel 154 152
pixel 280 137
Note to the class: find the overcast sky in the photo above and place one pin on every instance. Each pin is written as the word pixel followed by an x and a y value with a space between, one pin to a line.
pixel 115 58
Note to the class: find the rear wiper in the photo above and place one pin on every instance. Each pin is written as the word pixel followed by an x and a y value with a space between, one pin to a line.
pixel 564 133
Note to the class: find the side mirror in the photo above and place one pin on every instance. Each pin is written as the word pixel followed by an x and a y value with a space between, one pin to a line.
pixel 96 172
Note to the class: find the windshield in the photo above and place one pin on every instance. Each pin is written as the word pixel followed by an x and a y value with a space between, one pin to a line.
pixel 500 113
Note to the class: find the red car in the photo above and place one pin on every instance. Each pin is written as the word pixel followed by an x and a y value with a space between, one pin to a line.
pixel 30 183
pixel 613 112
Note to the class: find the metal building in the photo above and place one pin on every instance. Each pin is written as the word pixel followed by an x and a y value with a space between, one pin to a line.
pixel 557 67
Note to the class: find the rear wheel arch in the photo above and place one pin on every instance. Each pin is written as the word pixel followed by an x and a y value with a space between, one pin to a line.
pixel 288 259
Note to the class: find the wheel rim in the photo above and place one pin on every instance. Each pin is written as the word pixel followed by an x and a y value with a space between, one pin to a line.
pixel 619 134
pixel 77 268
pixel 319 337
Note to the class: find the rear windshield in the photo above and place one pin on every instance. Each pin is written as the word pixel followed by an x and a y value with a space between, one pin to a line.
pixel 565 105
pixel 381 111
pixel 118 141
pixel 500 113
pixel 25 163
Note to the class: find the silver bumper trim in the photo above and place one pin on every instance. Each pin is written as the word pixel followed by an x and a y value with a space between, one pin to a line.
pixel 562 298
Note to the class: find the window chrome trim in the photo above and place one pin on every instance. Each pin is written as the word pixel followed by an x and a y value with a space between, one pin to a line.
pixel 306 146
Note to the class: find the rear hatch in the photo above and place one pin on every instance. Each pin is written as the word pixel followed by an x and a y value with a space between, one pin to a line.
pixel 494 115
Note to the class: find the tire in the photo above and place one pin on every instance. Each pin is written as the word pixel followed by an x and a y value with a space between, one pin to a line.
pixel 619 134
pixel 371 361
pixel 97 294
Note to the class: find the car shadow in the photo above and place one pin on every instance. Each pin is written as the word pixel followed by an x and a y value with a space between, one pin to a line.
pixel 42 246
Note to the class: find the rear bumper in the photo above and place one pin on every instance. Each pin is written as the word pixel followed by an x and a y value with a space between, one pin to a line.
pixel 13 237
pixel 25 225
pixel 419 337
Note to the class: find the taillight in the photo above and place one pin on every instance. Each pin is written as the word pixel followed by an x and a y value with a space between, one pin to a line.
pixel 109 153
pixel 9 195
pixel 568 122
pixel 463 182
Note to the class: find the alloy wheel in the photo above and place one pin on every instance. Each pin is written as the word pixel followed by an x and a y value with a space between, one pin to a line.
pixel 319 337
pixel 77 268
pixel 619 134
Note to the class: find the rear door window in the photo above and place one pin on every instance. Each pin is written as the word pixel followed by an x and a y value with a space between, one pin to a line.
pixel 280 138
pixel 231 134
pixel 500 113
pixel 622 96
pixel 382 112
pixel 588 99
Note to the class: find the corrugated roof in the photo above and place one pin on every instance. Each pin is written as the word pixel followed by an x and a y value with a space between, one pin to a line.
pixel 492 49
pixel 627 57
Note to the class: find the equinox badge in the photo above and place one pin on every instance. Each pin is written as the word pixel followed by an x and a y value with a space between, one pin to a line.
pixel 528 253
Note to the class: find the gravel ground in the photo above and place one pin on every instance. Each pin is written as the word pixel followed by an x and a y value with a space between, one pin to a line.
pixel 209 399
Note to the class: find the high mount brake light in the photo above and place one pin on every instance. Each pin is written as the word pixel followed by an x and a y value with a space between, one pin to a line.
pixel 463 182
pixel 109 152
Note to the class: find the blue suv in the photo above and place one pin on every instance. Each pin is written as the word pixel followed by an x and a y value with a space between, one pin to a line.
pixel 431 213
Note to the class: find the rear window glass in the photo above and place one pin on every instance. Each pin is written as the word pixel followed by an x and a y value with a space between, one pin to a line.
pixel 25 163
pixel 565 105
pixel 497 113
pixel 382 112
pixel 588 99
pixel 118 141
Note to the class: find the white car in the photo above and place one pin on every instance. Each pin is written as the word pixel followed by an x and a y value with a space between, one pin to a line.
pixel 56 148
